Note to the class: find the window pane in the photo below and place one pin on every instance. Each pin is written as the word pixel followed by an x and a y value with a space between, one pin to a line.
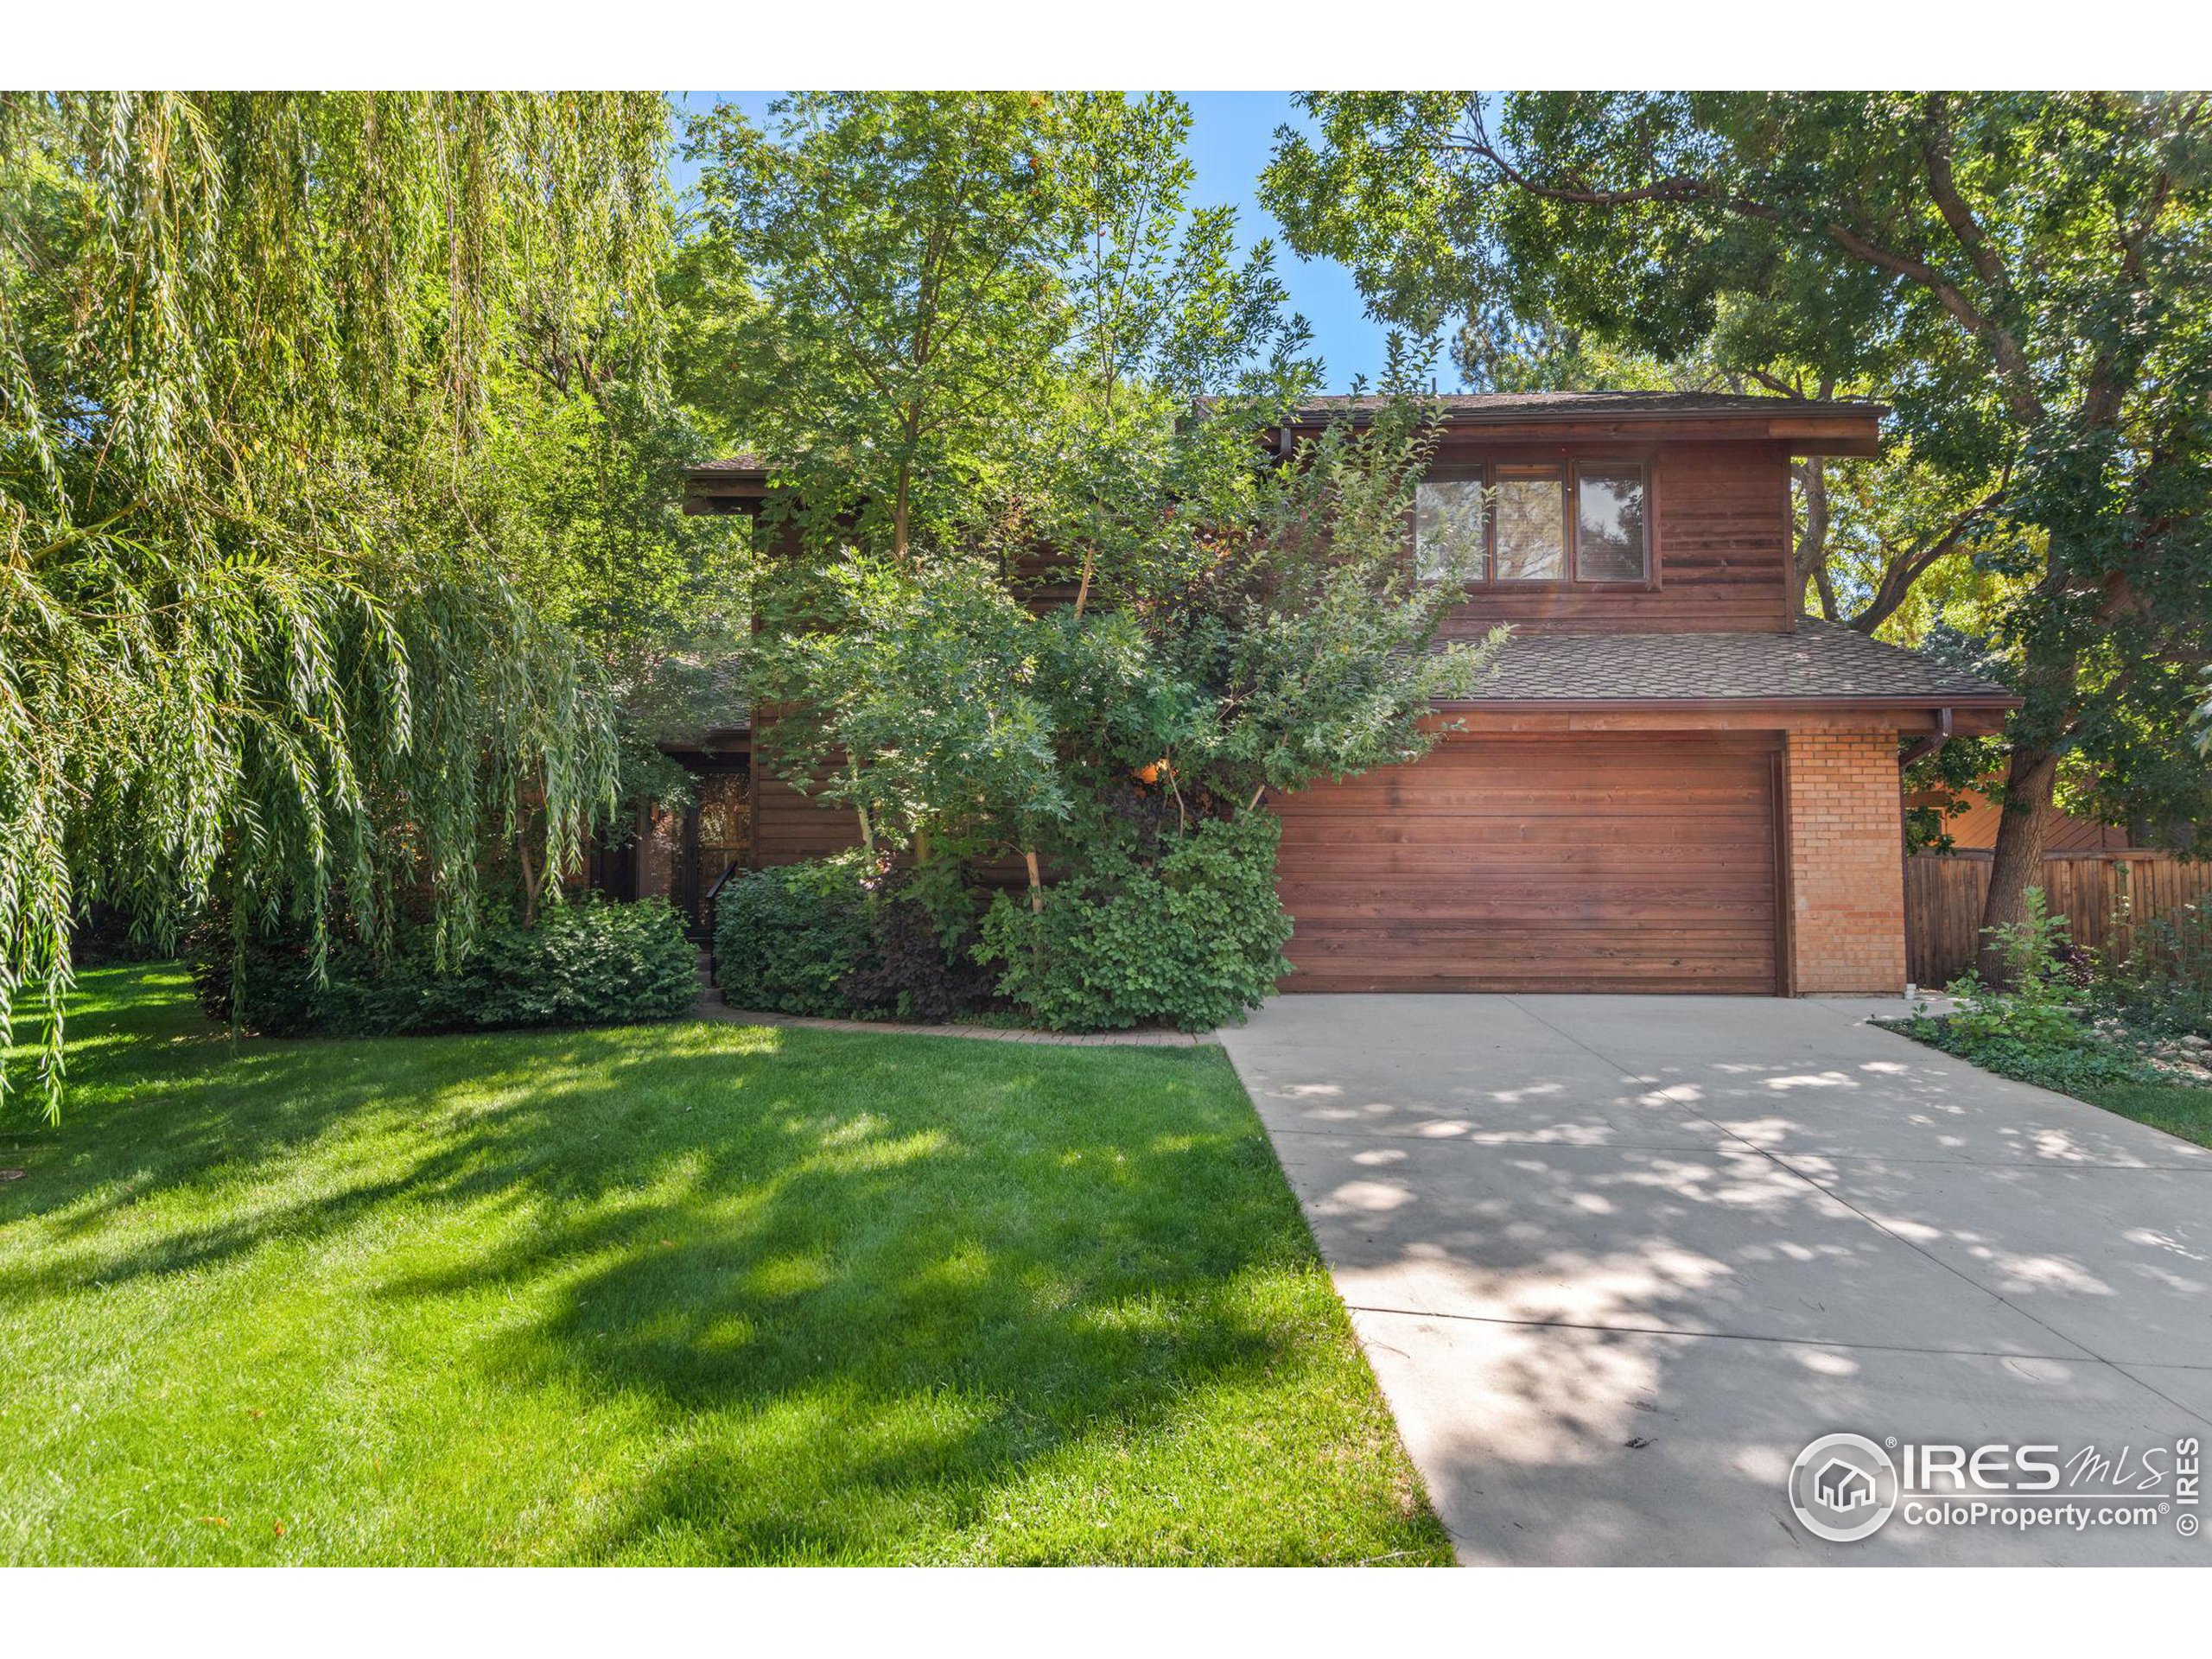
pixel 1611 544
pixel 1531 527
pixel 1448 529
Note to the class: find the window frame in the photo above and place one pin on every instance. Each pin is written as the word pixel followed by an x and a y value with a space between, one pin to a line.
pixel 1484 471
pixel 1475 473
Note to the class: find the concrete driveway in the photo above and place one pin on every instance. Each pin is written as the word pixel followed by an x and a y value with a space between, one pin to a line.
pixel 1617 1260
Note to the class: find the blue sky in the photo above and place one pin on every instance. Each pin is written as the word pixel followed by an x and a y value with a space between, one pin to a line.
pixel 1231 136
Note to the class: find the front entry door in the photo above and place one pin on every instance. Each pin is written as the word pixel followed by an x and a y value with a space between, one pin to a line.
pixel 717 840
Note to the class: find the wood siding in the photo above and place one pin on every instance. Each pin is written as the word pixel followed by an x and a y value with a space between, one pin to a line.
pixel 1548 864
pixel 1722 552
pixel 2103 899
pixel 789 827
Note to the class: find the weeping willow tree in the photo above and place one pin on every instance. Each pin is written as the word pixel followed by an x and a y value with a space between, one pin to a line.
pixel 255 644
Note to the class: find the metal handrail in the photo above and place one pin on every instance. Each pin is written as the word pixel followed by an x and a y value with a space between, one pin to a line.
pixel 706 911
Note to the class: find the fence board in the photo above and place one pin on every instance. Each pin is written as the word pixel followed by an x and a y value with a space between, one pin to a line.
pixel 2103 896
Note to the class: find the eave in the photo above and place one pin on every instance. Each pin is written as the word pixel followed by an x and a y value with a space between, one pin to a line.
pixel 1965 716
pixel 724 489
pixel 1856 433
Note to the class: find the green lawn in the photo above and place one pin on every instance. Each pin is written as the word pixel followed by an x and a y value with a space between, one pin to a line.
pixel 692 1292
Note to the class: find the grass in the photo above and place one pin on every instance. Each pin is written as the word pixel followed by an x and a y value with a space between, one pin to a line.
pixel 695 1293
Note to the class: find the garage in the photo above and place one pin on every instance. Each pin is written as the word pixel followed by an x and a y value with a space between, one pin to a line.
pixel 1594 862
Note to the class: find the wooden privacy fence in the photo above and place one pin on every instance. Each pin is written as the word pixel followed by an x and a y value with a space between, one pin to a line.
pixel 2102 895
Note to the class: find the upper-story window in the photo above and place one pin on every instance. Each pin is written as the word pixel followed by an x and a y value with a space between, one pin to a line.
pixel 1451 529
pixel 1580 522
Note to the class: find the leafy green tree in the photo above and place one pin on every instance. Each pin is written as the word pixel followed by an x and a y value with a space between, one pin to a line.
pixel 251 352
pixel 2022 275
pixel 1239 595
pixel 1312 637
pixel 921 712
pixel 1112 617
pixel 1165 317
pixel 896 259
pixel 964 320
pixel 582 491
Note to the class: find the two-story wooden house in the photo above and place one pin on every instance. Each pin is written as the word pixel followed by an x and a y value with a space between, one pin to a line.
pixel 1669 781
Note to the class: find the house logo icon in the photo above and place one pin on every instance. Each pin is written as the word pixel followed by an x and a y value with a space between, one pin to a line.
pixel 1843 1487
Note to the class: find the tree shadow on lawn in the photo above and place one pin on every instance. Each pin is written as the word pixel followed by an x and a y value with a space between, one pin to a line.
pixel 872 1297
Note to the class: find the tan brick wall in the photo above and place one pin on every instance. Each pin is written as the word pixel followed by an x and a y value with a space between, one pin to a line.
pixel 1846 873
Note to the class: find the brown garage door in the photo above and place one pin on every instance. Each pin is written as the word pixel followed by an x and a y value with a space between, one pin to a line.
pixel 1574 863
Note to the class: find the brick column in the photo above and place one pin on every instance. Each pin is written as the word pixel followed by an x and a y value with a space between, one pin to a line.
pixel 1846 873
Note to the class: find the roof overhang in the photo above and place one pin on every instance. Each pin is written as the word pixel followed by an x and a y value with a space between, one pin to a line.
pixel 1964 716
pixel 720 487
pixel 1842 430
pixel 714 743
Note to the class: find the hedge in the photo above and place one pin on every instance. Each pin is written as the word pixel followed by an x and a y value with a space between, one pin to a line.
pixel 583 964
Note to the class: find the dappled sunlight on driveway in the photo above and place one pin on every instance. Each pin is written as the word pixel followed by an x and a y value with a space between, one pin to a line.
pixel 1753 1227
pixel 1728 1242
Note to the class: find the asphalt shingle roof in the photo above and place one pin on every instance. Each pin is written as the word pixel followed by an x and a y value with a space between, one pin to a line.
pixel 1820 660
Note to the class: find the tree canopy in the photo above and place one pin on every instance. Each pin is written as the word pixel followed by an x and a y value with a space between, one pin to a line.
pixel 903 253
pixel 1060 598
pixel 257 630
pixel 940 315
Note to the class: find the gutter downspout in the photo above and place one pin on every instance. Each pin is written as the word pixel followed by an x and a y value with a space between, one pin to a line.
pixel 1929 745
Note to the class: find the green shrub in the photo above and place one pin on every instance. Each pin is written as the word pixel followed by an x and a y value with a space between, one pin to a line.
pixel 1193 941
pixel 2164 985
pixel 786 939
pixel 920 962
pixel 2086 1064
pixel 592 963
pixel 2031 1030
pixel 2033 1012
pixel 269 984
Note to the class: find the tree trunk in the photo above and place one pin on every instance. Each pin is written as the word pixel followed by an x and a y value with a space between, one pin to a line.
pixel 867 843
pixel 529 882
pixel 1036 886
pixel 1083 588
pixel 1812 552
pixel 2017 865
pixel 2050 676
